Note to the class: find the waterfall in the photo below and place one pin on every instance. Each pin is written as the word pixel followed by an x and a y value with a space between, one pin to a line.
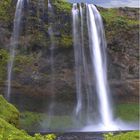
pixel 90 67
pixel 97 63
pixel 14 44
pixel 52 47
pixel 77 51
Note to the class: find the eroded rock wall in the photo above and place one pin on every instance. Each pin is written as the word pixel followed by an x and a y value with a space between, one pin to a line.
pixel 32 73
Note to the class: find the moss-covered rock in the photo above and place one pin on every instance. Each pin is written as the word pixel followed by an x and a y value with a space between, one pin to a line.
pixel 3 63
pixel 8 112
pixel 9 132
pixel 5 10
pixel 9 118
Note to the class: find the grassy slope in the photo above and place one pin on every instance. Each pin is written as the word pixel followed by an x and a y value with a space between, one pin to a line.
pixel 9 118
pixel 128 112
pixel 9 132
pixel 112 15
pixel 8 112
pixel 28 120
pixel 135 135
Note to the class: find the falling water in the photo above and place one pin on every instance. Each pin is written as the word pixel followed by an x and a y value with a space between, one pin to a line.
pixel 90 116
pixel 77 51
pixel 52 46
pixel 81 66
pixel 96 72
pixel 98 62
pixel 14 43
pixel 50 6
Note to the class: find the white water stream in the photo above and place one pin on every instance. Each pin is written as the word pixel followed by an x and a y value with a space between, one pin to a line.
pixel 14 44
pixel 96 71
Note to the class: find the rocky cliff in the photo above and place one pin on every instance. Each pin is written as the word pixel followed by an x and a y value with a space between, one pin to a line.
pixel 32 73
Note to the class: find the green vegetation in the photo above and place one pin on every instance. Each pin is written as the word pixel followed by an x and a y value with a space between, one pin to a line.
pixel 9 118
pixel 3 63
pixel 66 41
pixel 37 39
pixel 123 136
pixel 128 112
pixel 9 132
pixel 8 112
pixel 5 6
pixel 113 19
pixel 31 121
pixel 62 6
pixel 22 61
pixel 58 121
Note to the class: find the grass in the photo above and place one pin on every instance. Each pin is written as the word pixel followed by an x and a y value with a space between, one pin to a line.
pixel 9 120
pixel 123 136
pixel 29 120
pixel 8 112
pixel 62 5
pixel 5 5
pixel 109 14
pixel 112 17
pixel 66 41
pixel 34 121
pixel 58 123
pixel 9 132
pixel 128 112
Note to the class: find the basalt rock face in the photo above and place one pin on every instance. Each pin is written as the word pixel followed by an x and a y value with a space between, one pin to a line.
pixel 123 49
pixel 32 72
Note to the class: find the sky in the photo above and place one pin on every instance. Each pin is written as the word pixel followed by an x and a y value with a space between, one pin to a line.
pixel 111 3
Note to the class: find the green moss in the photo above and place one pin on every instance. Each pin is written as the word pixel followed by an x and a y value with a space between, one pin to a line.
pixel 9 132
pixel 66 41
pixel 128 112
pixel 62 6
pixel 30 120
pixel 3 63
pixel 123 136
pixel 109 14
pixel 57 122
pixel 8 112
pixel 9 116
pixel 21 61
pixel 37 38
pixel 114 20
pixel 24 59
pixel 5 6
